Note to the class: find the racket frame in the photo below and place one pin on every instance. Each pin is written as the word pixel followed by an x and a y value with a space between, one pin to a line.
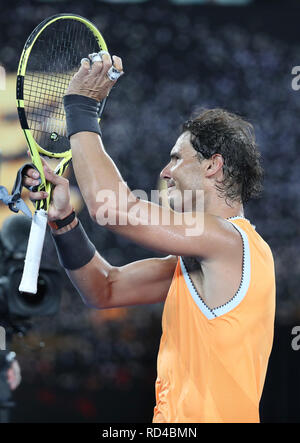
pixel 31 266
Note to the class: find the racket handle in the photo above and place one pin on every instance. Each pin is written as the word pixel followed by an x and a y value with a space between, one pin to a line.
pixel 34 252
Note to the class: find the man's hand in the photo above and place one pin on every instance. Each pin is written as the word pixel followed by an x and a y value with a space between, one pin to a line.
pixel 60 206
pixel 93 82
pixel 14 375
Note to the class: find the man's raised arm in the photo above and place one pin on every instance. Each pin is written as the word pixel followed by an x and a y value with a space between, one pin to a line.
pixel 100 284
pixel 190 234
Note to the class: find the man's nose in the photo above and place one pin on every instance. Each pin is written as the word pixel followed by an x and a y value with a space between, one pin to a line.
pixel 165 173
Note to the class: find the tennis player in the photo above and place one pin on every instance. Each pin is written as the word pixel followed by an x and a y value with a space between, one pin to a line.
pixel 217 279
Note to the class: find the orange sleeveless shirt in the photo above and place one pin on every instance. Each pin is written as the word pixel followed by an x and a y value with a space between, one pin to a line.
pixel 212 363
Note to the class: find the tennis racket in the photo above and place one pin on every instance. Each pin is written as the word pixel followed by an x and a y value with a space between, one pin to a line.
pixel 50 58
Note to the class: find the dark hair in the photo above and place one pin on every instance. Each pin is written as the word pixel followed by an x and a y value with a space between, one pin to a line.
pixel 217 131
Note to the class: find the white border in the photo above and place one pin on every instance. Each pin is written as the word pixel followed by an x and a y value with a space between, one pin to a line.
pixel 197 299
pixel 239 295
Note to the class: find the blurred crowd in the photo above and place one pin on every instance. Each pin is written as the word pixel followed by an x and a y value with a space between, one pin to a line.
pixel 176 60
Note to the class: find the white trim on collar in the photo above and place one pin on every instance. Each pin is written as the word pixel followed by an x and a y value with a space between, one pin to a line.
pixel 238 296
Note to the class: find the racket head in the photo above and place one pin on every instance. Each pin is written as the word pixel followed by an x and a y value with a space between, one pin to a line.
pixel 50 58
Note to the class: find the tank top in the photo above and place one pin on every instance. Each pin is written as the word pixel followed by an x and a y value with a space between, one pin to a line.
pixel 212 363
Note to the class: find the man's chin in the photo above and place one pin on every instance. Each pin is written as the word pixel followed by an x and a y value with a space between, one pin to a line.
pixel 176 206
pixel 179 206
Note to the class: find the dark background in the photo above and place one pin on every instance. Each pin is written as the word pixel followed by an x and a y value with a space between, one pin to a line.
pixel 100 366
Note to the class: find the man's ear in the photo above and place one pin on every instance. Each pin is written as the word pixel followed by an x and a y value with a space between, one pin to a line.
pixel 214 165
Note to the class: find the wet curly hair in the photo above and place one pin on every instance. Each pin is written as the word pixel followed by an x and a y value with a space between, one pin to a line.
pixel 217 131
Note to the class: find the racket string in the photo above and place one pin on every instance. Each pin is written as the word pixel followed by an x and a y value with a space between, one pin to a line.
pixel 54 59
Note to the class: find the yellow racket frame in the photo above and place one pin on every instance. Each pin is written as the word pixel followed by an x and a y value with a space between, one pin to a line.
pixel 34 148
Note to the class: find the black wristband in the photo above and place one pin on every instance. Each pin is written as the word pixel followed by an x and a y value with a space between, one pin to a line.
pixel 74 248
pixel 58 224
pixel 81 114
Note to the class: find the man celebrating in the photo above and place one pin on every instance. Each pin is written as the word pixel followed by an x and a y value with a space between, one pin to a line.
pixel 218 284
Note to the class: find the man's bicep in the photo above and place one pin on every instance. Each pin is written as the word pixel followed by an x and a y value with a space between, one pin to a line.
pixel 180 234
pixel 141 282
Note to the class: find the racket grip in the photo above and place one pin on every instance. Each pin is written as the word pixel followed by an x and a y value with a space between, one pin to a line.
pixel 34 252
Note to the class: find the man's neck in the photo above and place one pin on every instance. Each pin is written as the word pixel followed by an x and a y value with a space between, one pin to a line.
pixel 221 208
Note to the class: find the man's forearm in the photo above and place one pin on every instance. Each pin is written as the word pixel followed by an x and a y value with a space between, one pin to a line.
pixel 91 281
pixel 91 276
pixel 94 170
